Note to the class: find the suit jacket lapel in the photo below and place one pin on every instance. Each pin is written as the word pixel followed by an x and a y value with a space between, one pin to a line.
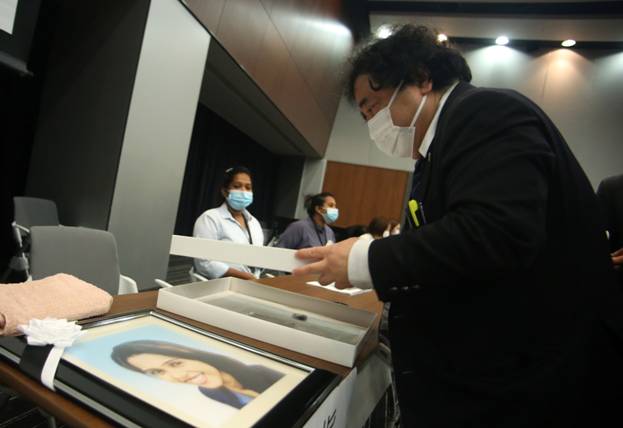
pixel 435 144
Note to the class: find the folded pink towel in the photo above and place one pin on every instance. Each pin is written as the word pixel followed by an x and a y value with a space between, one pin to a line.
pixel 57 296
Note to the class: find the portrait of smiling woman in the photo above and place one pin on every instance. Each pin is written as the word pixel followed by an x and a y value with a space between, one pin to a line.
pixel 217 376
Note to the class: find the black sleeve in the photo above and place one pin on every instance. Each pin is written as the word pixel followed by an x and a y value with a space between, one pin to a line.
pixel 605 204
pixel 494 168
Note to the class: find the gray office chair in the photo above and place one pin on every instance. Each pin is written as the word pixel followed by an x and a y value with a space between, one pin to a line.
pixel 88 254
pixel 195 276
pixel 35 212
pixel 28 212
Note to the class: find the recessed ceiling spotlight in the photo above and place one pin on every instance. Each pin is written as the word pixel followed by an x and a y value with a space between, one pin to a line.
pixel 384 31
pixel 441 37
pixel 568 43
pixel 501 40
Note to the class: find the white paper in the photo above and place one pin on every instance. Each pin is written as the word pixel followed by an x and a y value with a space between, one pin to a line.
pixel 350 291
pixel 7 15
pixel 280 259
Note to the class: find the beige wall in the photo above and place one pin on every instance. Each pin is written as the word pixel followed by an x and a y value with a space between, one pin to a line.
pixel 582 91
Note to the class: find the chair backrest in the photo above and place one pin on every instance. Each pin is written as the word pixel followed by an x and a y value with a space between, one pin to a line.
pixel 268 234
pixel 194 276
pixel 88 254
pixel 35 212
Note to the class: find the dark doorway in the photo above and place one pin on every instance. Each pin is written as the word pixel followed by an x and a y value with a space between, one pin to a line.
pixel 215 146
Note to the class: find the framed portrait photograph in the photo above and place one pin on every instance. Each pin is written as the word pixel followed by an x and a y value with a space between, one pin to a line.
pixel 147 369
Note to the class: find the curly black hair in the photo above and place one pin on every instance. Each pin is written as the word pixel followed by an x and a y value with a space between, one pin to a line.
pixel 411 55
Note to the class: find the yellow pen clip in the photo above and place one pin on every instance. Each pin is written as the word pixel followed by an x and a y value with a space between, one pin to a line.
pixel 413 209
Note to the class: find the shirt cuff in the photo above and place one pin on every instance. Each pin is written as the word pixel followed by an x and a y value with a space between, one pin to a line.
pixel 358 270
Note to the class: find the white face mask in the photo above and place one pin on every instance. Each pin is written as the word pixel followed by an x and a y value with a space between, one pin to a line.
pixel 394 140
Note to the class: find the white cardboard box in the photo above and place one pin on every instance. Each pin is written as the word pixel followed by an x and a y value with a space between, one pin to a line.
pixel 312 326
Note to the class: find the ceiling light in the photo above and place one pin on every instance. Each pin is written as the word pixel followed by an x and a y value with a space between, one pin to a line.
pixel 568 43
pixel 501 40
pixel 442 38
pixel 384 31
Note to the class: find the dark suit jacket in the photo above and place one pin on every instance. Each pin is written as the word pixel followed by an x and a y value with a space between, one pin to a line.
pixel 505 311
pixel 610 194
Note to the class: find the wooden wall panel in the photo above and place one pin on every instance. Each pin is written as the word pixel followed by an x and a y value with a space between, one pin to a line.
pixel 346 182
pixel 363 192
pixel 319 44
pixel 293 49
pixel 271 72
pixel 208 11
pixel 241 30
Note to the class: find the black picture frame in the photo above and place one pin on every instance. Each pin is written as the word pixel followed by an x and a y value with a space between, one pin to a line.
pixel 125 409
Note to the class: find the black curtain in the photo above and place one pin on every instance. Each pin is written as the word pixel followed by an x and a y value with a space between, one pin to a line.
pixel 17 119
pixel 215 146
pixel 19 104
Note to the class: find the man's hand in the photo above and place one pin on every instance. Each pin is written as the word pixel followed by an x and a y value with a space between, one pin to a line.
pixel 332 264
pixel 617 258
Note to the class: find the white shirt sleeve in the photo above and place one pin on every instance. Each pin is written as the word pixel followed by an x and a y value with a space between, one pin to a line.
pixel 257 235
pixel 358 269
pixel 206 227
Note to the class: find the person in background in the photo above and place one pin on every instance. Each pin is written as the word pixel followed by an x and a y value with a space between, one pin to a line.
pixel 381 227
pixel 313 231
pixel 230 222
pixel 393 228
pixel 505 310
pixel 610 195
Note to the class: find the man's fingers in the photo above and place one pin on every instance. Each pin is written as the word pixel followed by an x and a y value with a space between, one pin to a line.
pixel 317 267
pixel 312 253
pixel 342 285
pixel 325 279
pixel 617 253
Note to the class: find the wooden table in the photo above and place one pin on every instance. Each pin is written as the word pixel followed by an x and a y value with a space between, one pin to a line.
pixel 76 415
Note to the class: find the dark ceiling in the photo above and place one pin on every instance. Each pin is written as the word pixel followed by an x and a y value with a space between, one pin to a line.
pixel 594 24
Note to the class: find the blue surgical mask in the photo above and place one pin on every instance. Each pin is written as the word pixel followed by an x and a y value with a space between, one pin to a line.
pixel 331 215
pixel 239 200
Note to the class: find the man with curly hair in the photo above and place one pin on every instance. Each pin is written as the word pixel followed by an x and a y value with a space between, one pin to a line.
pixel 504 306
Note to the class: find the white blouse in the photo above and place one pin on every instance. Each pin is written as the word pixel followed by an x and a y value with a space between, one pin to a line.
pixel 218 223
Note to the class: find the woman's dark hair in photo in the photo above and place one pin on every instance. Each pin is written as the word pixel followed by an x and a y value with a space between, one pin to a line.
pixel 313 201
pixel 230 173
pixel 412 55
pixel 255 377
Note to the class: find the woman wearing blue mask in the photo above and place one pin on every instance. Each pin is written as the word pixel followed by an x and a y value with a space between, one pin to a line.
pixel 313 231
pixel 230 222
